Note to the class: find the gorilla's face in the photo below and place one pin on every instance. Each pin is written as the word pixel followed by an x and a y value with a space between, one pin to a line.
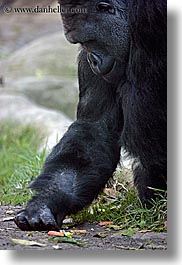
pixel 101 27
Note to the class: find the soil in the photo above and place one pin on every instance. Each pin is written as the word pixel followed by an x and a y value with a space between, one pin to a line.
pixel 96 238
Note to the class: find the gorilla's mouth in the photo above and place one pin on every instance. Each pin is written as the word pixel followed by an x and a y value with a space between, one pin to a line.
pixel 101 64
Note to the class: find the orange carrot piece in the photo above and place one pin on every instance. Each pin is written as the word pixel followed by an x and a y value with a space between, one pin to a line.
pixel 105 223
pixel 55 233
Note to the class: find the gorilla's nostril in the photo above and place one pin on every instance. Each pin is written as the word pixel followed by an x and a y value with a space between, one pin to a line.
pixel 100 64
pixel 95 63
pixel 94 59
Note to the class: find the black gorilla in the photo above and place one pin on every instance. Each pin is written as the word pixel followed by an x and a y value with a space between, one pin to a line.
pixel 122 103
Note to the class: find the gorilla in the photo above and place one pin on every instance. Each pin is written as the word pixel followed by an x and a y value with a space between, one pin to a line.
pixel 122 104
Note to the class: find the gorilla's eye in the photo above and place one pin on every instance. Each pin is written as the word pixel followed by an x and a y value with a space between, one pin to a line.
pixel 105 7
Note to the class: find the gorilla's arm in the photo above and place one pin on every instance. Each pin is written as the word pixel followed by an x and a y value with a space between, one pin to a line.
pixel 80 165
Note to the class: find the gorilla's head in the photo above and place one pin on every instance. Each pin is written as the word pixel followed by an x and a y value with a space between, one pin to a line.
pixel 101 27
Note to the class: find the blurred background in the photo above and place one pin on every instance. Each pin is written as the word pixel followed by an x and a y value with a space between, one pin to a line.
pixel 38 70
pixel 38 92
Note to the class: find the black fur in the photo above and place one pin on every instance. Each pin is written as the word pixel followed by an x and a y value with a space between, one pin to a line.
pixel 124 107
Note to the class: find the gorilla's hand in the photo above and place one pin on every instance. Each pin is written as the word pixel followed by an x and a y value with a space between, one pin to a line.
pixel 39 218
pixel 43 212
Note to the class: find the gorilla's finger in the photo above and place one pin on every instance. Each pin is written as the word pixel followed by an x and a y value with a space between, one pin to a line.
pixel 48 220
pixel 21 221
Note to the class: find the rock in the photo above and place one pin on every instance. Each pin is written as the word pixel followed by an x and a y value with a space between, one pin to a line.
pixel 50 55
pixel 52 92
pixel 20 109
pixel 45 71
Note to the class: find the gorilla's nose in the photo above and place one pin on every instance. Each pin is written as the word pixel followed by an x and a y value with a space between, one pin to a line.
pixel 100 64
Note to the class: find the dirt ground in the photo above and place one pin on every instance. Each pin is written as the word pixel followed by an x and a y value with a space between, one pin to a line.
pixel 96 238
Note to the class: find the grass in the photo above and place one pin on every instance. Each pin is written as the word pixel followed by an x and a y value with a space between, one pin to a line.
pixel 20 163
pixel 124 208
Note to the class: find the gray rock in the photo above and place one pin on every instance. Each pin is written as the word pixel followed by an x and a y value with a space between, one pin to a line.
pixel 50 55
pixel 52 92
pixel 20 109
pixel 45 71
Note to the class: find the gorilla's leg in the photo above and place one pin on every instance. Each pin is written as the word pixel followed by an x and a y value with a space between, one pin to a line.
pixel 148 183
pixel 80 165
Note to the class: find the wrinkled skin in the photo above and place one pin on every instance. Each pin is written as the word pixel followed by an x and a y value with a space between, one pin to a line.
pixel 122 103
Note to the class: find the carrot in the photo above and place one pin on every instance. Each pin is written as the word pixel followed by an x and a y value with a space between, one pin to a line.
pixel 55 233
pixel 105 223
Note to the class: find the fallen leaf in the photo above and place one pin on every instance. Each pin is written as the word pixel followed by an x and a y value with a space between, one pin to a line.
pixel 65 240
pixel 145 231
pixel 79 231
pixel 27 242
pixel 67 233
pixel 129 232
pixel 115 227
pixel 100 235
pixel 105 223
